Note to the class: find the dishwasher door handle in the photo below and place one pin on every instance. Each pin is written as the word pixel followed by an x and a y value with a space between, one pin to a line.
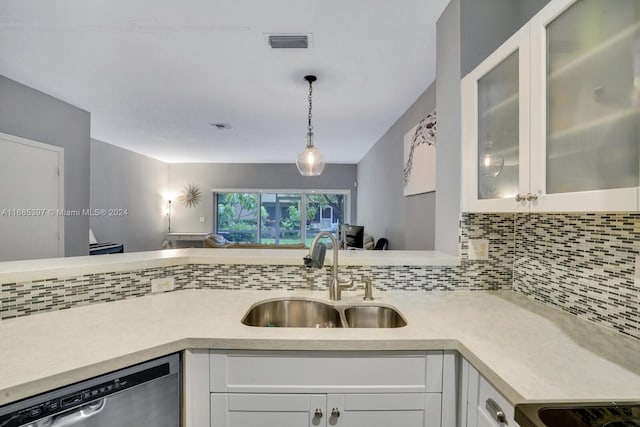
pixel 76 416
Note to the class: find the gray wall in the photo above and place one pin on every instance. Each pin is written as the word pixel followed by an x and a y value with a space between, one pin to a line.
pixel 407 222
pixel 484 25
pixel 466 33
pixel 528 8
pixel 122 179
pixel 28 113
pixel 209 176
pixel 448 170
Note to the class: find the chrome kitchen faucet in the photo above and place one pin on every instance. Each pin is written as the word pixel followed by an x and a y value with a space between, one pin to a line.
pixel 315 259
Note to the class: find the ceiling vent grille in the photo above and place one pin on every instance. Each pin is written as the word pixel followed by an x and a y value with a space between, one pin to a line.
pixel 221 126
pixel 289 41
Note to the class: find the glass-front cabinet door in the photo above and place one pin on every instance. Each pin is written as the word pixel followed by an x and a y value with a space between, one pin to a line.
pixel 495 129
pixel 585 105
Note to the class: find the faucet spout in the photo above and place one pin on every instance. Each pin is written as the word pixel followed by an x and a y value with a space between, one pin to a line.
pixel 316 259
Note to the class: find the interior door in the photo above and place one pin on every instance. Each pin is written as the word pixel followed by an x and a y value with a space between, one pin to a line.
pixel 31 197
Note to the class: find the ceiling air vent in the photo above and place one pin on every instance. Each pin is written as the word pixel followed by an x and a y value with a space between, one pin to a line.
pixel 289 41
pixel 221 126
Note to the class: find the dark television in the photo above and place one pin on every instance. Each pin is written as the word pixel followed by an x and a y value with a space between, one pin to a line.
pixel 353 236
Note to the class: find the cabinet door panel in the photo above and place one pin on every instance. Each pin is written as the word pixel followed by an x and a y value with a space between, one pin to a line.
pixel 267 410
pixel 486 392
pixel 472 416
pixel 586 105
pixel 495 129
pixel 304 372
pixel 483 420
pixel 383 410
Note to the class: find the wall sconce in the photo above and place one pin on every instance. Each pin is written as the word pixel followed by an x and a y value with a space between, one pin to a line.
pixel 167 212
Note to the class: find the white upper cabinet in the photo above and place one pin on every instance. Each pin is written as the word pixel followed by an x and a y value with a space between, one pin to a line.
pixel 495 128
pixel 569 138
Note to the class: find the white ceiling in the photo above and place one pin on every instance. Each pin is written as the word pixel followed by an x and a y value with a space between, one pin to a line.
pixel 155 73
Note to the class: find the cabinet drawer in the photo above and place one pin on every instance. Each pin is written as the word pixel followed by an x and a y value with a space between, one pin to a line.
pixel 487 394
pixel 313 372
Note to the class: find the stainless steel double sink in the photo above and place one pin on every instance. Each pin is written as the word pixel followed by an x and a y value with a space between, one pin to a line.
pixel 306 313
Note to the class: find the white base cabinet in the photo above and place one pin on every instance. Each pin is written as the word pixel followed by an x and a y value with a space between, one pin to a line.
pixel 302 410
pixel 481 405
pixel 300 388
pixel 267 410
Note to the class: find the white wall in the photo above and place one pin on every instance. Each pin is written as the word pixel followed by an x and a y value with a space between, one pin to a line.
pixel 407 222
pixel 122 179
pixel 31 114
pixel 209 176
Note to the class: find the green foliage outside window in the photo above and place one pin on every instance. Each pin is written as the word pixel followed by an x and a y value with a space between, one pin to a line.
pixel 238 217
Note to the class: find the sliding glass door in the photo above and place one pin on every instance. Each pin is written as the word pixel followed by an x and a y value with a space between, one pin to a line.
pixel 279 217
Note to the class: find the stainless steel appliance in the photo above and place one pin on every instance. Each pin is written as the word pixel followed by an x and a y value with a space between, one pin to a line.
pixel 587 414
pixel 147 394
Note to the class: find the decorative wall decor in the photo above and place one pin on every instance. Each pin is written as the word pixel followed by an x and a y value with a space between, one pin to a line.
pixel 420 157
pixel 191 196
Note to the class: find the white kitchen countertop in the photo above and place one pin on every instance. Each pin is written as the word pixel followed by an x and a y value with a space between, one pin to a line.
pixel 527 350
pixel 21 271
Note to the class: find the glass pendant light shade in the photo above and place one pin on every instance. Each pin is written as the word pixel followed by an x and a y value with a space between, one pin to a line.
pixel 490 164
pixel 311 161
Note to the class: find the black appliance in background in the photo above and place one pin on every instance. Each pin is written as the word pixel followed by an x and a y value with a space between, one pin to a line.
pixel 353 236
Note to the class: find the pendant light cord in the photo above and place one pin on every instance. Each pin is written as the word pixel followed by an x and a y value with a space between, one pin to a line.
pixel 310 127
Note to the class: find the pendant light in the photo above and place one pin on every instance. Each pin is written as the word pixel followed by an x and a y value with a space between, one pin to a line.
pixel 490 164
pixel 311 161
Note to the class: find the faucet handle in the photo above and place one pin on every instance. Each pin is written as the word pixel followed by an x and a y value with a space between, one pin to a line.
pixel 346 283
pixel 368 289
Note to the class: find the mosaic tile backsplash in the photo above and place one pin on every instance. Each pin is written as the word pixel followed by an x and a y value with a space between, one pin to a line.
pixel 22 299
pixel 582 264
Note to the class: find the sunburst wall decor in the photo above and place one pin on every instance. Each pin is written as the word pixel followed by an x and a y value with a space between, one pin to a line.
pixel 190 196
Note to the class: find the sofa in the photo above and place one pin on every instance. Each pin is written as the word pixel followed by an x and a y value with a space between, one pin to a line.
pixel 218 242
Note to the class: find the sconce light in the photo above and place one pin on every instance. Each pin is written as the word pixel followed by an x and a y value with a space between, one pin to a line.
pixel 168 213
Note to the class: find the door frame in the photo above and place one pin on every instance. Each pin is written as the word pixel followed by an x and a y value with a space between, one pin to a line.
pixel 60 153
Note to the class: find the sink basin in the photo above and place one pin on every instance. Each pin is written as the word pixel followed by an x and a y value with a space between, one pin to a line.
pixel 591 416
pixel 578 414
pixel 293 313
pixel 304 313
pixel 373 317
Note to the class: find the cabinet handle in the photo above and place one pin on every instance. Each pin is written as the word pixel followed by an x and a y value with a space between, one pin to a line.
pixel 496 412
pixel 318 413
pixel 520 197
pixel 532 197
pixel 335 413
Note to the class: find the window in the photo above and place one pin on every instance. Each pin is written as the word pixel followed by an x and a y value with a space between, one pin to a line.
pixel 325 212
pixel 279 217
pixel 237 216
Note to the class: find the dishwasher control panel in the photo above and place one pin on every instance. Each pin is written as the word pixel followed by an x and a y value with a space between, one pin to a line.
pixel 73 399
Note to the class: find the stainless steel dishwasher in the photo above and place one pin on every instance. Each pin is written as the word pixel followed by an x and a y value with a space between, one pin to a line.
pixel 147 394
